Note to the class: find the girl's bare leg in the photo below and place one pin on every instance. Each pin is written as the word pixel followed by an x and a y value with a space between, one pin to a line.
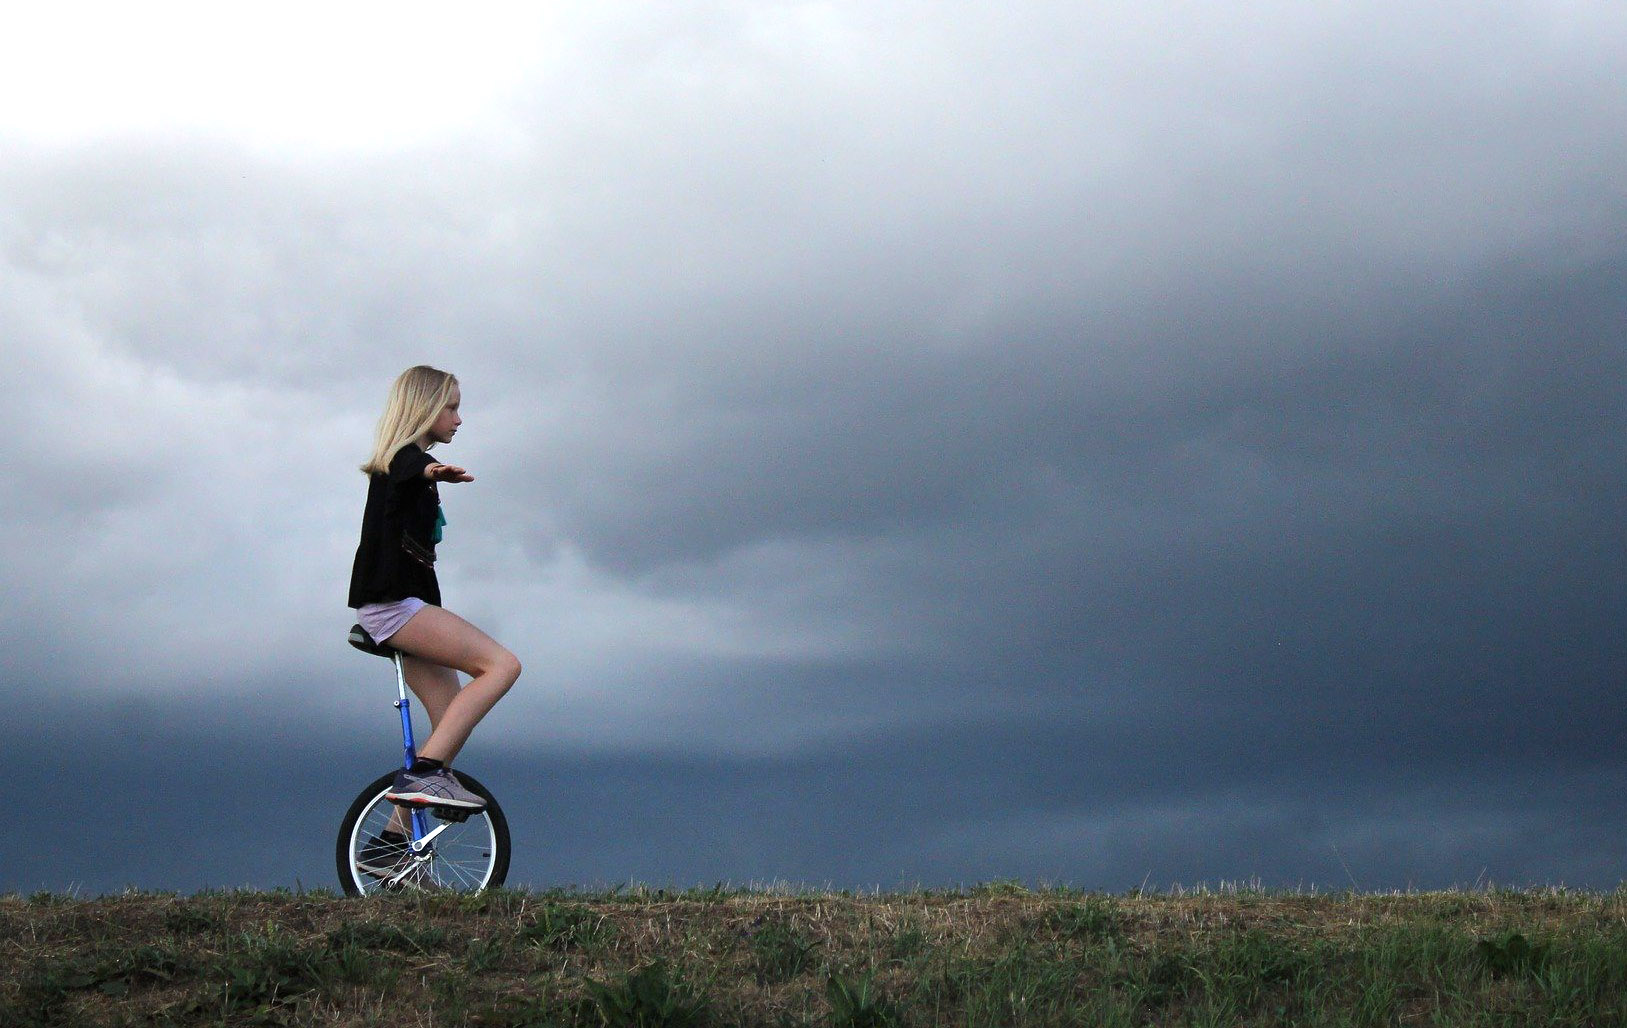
pixel 438 637
pixel 435 686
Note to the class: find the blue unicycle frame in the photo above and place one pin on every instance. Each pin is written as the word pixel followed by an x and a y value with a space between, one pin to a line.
pixel 409 753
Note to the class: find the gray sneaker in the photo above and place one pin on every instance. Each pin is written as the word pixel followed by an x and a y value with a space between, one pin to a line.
pixel 383 854
pixel 435 789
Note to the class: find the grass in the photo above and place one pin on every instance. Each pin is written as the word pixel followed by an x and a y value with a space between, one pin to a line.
pixel 994 955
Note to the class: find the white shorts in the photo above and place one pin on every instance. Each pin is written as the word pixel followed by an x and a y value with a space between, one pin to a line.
pixel 383 620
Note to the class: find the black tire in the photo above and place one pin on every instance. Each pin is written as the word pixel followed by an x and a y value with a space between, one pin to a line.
pixel 466 857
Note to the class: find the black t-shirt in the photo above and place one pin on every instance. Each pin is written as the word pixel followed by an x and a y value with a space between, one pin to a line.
pixel 396 556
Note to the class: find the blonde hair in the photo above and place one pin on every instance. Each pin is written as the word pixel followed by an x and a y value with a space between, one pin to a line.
pixel 416 399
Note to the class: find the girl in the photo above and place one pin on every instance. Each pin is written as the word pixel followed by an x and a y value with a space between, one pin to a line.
pixel 396 595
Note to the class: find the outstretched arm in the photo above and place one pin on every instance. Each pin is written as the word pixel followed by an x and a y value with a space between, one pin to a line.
pixel 447 473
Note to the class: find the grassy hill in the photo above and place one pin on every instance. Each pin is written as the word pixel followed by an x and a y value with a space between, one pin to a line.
pixel 994 955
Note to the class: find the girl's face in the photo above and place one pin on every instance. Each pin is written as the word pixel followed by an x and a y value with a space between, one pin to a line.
pixel 446 423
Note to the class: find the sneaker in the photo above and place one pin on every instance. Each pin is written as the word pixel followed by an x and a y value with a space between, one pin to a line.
pixel 435 789
pixel 381 855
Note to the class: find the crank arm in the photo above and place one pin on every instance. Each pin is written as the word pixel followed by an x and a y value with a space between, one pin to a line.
pixel 418 846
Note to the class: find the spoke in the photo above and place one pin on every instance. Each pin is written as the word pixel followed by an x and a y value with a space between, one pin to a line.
pixel 455 869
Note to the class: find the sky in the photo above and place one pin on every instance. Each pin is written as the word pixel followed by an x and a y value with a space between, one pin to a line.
pixel 1115 445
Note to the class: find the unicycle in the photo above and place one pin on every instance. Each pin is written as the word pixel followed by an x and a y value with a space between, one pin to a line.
pixel 440 849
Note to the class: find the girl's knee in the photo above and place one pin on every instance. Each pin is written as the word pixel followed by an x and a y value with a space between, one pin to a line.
pixel 503 665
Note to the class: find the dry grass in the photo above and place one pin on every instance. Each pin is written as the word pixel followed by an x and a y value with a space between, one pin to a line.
pixel 994 955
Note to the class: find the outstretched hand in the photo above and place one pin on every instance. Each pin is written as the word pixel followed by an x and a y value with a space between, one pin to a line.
pixel 447 473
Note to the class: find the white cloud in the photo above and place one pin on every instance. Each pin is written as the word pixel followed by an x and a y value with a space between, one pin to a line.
pixel 340 75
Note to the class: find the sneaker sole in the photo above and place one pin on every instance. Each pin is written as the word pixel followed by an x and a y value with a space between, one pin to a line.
pixel 424 799
pixel 378 871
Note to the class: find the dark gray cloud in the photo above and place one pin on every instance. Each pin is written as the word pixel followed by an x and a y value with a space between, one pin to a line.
pixel 1082 803
pixel 1104 442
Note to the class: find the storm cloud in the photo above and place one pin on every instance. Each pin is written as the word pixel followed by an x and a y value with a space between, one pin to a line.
pixel 927 443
